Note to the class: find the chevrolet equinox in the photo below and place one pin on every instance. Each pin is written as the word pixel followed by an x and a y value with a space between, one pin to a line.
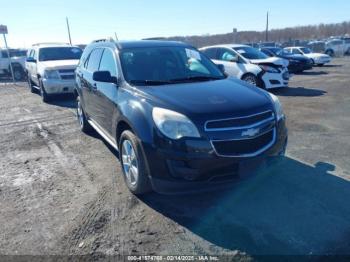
pixel 178 122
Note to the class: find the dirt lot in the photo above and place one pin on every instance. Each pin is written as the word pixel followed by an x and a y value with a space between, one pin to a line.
pixel 61 191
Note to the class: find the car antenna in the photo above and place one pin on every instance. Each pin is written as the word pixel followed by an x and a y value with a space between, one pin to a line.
pixel 117 40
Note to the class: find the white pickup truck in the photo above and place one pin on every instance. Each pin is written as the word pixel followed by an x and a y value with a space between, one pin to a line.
pixel 17 59
pixel 51 68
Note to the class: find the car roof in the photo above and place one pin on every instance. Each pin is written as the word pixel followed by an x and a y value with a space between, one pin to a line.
pixel 295 47
pixel 228 46
pixel 41 45
pixel 137 43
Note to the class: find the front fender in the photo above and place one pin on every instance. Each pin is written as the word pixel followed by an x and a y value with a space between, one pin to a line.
pixel 137 113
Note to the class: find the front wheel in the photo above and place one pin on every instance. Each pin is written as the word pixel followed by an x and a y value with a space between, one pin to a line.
pixel 133 164
pixel 251 79
pixel 44 96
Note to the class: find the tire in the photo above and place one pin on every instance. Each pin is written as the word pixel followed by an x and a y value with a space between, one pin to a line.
pixel 31 85
pixel 82 120
pixel 44 96
pixel 320 65
pixel 251 79
pixel 312 61
pixel 18 73
pixel 133 164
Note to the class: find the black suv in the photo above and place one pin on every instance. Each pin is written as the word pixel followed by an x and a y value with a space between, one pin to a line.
pixel 178 122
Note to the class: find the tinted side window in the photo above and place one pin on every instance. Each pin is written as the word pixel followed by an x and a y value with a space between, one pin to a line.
pixel 94 60
pixel 226 55
pixel 108 62
pixel 210 52
pixel 296 52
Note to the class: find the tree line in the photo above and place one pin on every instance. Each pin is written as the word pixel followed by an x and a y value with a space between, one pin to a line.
pixel 289 34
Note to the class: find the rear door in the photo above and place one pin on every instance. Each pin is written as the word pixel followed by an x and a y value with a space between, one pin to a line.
pixel 106 94
pixel 89 86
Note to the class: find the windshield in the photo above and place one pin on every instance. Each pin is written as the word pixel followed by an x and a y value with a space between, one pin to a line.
pixel 18 53
pixel 274 50
pixel 59 53
pixel 166 65
pixel 250 52
pixel 283 52
pixel 305 50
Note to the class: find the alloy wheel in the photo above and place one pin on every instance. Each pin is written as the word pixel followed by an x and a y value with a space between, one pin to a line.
pixel 80 114
pixel 130 163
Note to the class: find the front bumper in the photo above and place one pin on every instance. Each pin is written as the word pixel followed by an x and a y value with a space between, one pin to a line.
pixel 53 86
pixel 198 168
pixel 322 61
pixel 275 80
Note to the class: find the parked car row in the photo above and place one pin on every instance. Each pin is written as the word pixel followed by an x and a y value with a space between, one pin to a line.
pixel 51 68
pixel 16 58
pixel 181 119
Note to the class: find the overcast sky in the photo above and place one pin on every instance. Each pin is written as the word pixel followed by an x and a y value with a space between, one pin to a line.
pixel 44 21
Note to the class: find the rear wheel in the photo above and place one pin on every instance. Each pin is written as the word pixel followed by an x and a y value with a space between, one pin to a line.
pixel 251 79
pixel 83 122
pixel 133 164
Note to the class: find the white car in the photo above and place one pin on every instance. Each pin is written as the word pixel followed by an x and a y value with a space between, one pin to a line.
pixel 316 58
pixel 338 47
pixel 17 60
pixel 51 68
pixel 250 65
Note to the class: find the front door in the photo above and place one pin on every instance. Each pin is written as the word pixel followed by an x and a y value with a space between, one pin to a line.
pixel 105 96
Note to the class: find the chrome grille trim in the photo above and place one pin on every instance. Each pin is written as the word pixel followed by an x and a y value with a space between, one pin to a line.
pixel 270 119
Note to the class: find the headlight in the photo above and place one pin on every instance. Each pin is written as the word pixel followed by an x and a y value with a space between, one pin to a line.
pixel 278 106
pixel 269 69
pixel 172 124
pixel 51 74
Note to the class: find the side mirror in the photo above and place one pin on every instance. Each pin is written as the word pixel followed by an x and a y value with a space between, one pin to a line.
pixel 30 60
pixel 104 76
pixel 221 68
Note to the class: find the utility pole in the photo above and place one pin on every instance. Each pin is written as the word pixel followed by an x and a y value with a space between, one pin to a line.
pixel 116 37
pixel 70 39
pixel 267 27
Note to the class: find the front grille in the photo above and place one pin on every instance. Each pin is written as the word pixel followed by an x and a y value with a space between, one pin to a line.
pixel 239 122
pixel 245 147
pixel 67 77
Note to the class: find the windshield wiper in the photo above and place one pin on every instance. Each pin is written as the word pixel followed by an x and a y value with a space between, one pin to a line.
pixel 149 82
pixel 195 79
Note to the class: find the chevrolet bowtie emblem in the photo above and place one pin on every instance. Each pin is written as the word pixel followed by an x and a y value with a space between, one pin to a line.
pixel 251 132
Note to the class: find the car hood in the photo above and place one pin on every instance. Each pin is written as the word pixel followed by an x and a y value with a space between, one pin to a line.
pixel 210 99
pixel 271 60
pixel 60 64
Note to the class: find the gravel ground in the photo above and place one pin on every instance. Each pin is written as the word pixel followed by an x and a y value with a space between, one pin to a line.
pixel 62 192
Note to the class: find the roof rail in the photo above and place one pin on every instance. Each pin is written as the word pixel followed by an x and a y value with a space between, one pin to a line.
pixel 51 43
pixel 110 39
